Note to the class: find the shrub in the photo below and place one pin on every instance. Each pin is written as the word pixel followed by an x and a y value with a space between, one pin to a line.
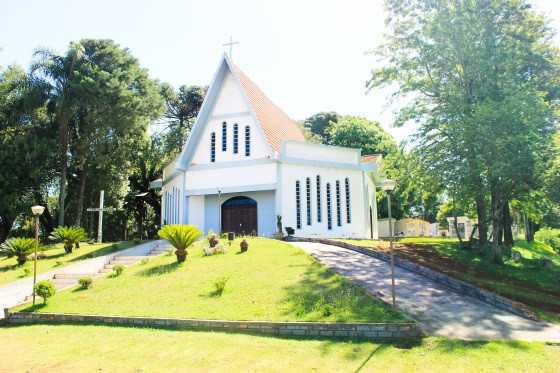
pixel 244 245
pixel 18 247
pixel 212 239
pixel 218 249
pixel 550 237
pixel 70 236
pixel 118 270
pixel 26 272
pixel 181 237
pixel 220 285
pixel 145 261
pixel 45 289
pixel 85 282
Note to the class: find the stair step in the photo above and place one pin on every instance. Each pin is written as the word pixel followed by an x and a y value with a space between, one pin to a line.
pixel 124 261
pixel 76 276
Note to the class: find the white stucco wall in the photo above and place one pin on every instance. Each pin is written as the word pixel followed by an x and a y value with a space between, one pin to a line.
pixel 211 179
pixel 310 151
pixel 289 173
pixel 195 211
pixel 230 107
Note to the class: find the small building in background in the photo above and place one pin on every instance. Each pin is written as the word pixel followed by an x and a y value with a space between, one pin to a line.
pixel 408 227
pixel 465 226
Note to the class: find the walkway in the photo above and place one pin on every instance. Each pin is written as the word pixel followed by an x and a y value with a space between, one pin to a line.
pixel 439 310
pixel 16 292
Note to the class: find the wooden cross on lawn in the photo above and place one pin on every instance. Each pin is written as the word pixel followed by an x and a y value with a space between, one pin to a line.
pixel 230 45
pixel 100 210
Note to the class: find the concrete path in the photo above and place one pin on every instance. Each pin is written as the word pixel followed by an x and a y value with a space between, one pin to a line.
pixel 16 292
pixel 439 310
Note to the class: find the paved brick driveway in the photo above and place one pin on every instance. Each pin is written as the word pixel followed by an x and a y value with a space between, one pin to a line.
pixel 439 310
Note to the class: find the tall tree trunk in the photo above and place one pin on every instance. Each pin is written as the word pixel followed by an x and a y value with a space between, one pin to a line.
pixel 497 213
pixel 507 222
pixel 63 138
pixel 455 224
pixel 82 191
pixel 5 227
pixel 482 223
pixel 529 229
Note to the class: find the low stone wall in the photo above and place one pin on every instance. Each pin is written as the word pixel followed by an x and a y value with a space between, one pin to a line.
pixel 374 331
pixel 458 286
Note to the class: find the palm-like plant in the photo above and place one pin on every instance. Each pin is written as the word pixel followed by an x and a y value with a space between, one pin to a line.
pixel 181 237
pixel 57 73
pixel 18 247
pixel 70 236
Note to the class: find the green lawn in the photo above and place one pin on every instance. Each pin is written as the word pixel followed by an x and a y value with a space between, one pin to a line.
pixel 526 281
pixel 272 281
pixel 55 258
pixel 74 348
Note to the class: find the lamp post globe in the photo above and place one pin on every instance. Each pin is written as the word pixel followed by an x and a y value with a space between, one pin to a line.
pixel 37 211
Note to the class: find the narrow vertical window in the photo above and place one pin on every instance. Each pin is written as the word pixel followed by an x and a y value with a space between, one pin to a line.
pixel 247 141
pixel 347 190
pixel 298 206
pixel 224 136
pixel 338 209
pixel 318 181
pixel 213 147
pixel 235 138
pixel 308 199
pixel 329 207
pixel 166 203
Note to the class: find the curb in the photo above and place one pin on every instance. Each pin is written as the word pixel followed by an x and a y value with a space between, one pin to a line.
pixel 371 331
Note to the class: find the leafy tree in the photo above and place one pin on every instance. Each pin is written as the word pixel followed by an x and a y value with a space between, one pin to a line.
pixel 146 168
pixel 319 124
pixel 481 79
pixel 117 102
pixel 417 193
pixel 182 108
pixel 27 149
pixel 359 132
pixel 57 73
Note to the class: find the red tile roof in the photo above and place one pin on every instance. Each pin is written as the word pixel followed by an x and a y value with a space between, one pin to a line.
pixel 372 158
pixel 277 126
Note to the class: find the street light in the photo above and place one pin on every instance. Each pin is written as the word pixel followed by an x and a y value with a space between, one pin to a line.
pixel 388 186
pixel 37 211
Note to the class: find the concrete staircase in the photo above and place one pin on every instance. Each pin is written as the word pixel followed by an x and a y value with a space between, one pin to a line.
pixel 63 281
pixel 130 260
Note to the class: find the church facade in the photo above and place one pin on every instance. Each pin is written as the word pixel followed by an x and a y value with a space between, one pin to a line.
pixel 246 165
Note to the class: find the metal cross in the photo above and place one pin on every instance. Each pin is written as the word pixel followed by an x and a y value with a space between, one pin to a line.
pixel 230 45
pixel 100 210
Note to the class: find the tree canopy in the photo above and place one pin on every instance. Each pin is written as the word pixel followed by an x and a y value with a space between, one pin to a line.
pixel 481 79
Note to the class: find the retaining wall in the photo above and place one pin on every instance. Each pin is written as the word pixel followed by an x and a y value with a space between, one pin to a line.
pixel 458 286
pixel 374 331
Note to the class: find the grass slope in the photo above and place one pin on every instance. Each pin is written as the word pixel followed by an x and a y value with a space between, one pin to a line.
pixel 73 348
pixel 272 281
pixel 56 258
pixel 525 281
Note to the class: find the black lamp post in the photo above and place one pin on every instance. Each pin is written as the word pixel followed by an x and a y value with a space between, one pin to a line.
pixel 388 186
pixel 37 211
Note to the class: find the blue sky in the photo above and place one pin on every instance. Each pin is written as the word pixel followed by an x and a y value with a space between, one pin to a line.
pixel 307 56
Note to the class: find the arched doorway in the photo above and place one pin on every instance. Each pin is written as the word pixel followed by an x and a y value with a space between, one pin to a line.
pixel 239 215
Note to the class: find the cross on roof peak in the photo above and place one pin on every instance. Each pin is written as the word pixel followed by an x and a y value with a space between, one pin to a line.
pixel 230 44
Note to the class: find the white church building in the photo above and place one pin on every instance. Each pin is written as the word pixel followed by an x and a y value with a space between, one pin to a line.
pixel 246 163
